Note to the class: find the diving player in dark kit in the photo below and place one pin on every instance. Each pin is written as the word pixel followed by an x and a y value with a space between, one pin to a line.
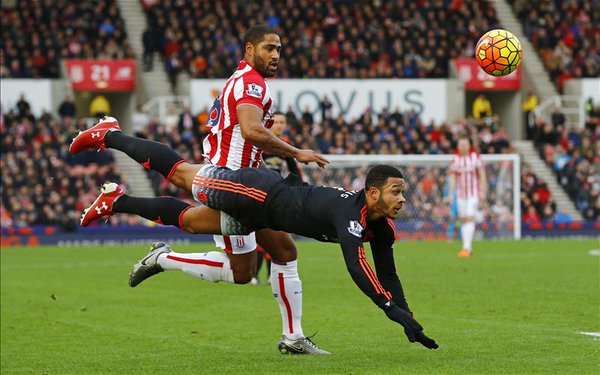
pixel 258 199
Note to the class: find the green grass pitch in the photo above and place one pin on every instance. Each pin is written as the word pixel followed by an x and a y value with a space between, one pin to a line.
pixel 514 308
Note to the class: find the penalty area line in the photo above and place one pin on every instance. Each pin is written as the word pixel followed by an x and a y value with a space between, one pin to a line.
pixel 593 334
pixel 594 252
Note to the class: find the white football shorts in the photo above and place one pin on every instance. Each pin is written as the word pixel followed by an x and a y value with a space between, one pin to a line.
pixel 468 207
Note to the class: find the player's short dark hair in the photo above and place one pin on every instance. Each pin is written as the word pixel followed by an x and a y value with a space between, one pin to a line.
pixel 256 34
pixel 379 174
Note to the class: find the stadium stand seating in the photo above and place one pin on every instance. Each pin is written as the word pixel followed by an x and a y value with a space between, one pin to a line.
pixel 573 155
pixel 392 133
pixel 565 34
pixel 341 39
pixel 42 183
pixel 37 35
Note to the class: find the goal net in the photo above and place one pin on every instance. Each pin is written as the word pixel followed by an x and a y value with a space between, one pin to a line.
pixel 427 215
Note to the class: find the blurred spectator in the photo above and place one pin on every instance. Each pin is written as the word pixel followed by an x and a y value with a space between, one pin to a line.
pixel 139 120
pixel 481 107
pixel 23 106
pixel 188 125
pixel 531 216
pixel 99 107
pixel 528 106
pixel 150 40
pixel 174 66
pixel 592 114
pixel 562 218
pixel 558 117
pixel 67 108
pixel 326 106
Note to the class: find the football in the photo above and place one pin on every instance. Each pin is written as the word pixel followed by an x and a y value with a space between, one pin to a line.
pixel 498 52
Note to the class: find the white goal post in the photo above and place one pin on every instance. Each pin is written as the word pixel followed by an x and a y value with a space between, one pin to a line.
pixel 427 216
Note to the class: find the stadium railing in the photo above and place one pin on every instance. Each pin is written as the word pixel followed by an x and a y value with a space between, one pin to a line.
pixel 571 106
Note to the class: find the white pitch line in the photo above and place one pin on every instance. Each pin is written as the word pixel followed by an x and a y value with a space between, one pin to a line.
pixel 593 334
pixel 595 252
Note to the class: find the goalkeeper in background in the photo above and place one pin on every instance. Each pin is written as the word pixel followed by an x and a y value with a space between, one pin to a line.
pixel 468 181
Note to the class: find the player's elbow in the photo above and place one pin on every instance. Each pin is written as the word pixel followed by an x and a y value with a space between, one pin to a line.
pixel 251 133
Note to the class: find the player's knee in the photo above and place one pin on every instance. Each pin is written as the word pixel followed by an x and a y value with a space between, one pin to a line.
pixel 189 229
pixel 183 175
pixel 188 223
pixel 284 253
pixel 243 276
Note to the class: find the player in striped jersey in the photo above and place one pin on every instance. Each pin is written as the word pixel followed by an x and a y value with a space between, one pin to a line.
pixel 239 123
pixel 468 180
pixel 239 120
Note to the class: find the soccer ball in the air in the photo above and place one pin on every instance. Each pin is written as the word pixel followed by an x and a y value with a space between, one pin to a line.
pixel 498 52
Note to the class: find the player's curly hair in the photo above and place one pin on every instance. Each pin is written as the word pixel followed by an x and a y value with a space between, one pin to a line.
pixel 256 34
pixel 379 174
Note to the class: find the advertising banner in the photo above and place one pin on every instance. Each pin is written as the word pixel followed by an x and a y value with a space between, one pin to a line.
pixel 349 97
pixel 476 79
pixel 101 75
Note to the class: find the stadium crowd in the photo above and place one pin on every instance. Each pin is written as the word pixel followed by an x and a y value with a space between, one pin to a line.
pixel 565 34
pixel 573 154
pixel 322 39
pixel 42 183
pixel 384 133
pixel 36 35
pixel 46 185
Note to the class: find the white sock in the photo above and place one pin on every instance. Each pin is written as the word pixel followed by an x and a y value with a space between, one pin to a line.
pixel 287 290
pixel 467 231
pixel 213 266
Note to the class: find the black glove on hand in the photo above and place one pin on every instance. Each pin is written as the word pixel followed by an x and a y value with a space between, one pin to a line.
pixel 412 329
pixel 426 341
pixel 411 326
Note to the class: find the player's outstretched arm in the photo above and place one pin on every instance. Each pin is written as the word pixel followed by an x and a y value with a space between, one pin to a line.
pixel 383 256
pixel 364 277
pixel 385 266
pixel 250 119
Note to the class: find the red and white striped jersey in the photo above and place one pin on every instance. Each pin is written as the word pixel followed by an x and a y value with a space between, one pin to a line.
pixel 465 168
pixel 225 146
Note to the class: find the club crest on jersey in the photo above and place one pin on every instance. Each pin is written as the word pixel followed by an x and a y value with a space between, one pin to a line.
pixel 240 242
pixel 214 114
pixel 254 90
pixel 355 229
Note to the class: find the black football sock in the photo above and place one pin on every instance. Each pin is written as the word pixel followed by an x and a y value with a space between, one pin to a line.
pixel 152 155
pixel 162 210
